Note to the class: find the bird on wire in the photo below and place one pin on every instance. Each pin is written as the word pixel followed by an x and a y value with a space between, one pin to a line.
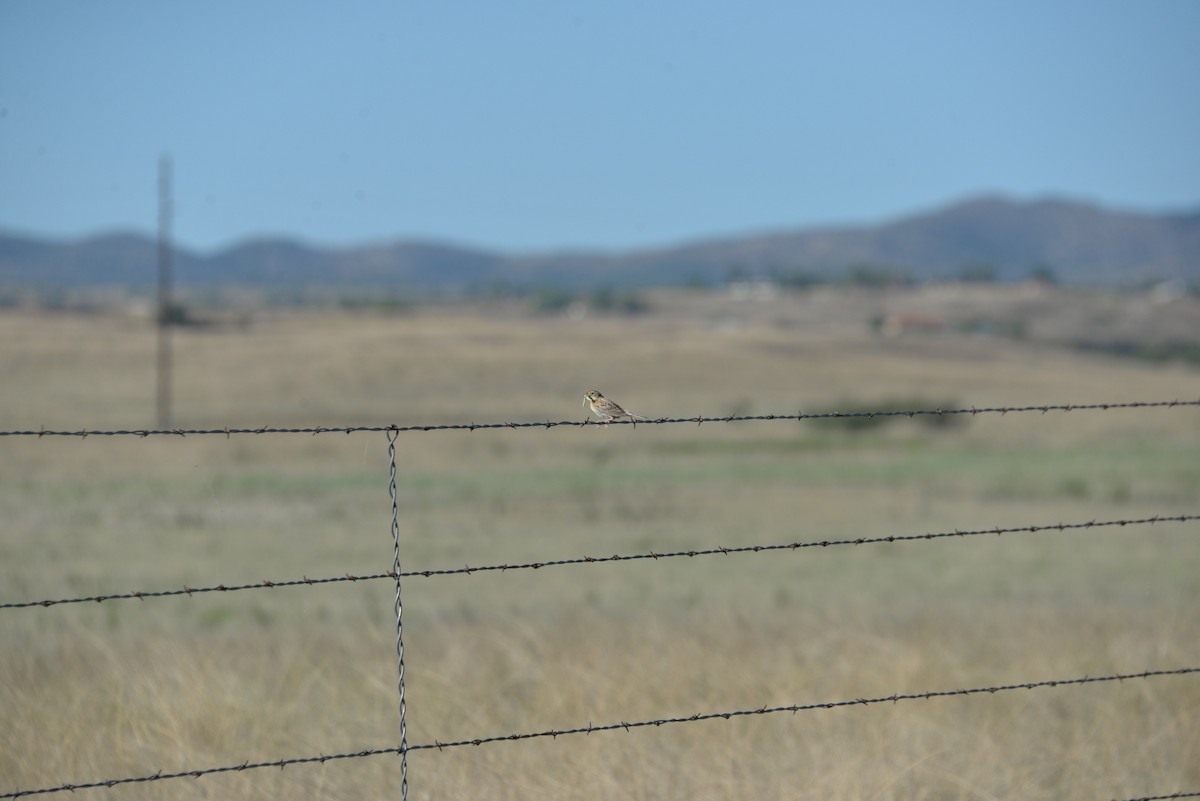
pixel 606 409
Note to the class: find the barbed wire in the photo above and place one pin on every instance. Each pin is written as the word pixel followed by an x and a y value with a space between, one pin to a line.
pixel 699 419
pixel 1195 794
pixel 623 725
pixel 589 560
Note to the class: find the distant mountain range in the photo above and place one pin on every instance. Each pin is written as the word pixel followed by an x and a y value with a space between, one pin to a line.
pixel 1077 242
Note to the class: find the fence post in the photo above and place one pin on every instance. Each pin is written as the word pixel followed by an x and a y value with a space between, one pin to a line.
pixel 391 435
pixel 165 311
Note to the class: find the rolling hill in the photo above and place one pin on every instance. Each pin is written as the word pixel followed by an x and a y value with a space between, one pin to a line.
pixel 1006 239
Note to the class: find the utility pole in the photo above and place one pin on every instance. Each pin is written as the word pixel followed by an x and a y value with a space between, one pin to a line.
pixel 165 313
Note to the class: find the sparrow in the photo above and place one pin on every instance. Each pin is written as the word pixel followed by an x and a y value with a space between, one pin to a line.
pixel 607 410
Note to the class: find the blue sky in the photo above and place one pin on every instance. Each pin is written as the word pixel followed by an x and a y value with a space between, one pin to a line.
pixel 538 125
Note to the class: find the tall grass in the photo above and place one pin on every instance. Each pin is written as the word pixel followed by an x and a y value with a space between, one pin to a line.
pixel 95 691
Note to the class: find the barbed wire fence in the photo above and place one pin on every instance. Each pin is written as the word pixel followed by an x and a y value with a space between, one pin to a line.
pixel 396 574
pixel 547 424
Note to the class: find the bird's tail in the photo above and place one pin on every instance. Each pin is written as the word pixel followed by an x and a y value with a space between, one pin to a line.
pixel 635 416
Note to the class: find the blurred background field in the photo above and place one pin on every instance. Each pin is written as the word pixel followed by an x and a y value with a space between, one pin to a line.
pixel 126 687
pixel 377 214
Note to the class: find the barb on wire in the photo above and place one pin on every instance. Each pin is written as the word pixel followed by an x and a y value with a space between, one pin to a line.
pixel 591 560
pixel 546 424
pixel 627 726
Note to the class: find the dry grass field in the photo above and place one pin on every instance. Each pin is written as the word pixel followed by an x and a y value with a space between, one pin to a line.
pixel 93 691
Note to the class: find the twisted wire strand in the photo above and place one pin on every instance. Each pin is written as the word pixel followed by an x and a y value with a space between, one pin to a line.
pixel 399 613
pixel 623 725
pixel 314 430
pixel 590 560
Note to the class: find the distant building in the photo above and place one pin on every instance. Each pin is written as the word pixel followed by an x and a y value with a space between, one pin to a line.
pixel 898 323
